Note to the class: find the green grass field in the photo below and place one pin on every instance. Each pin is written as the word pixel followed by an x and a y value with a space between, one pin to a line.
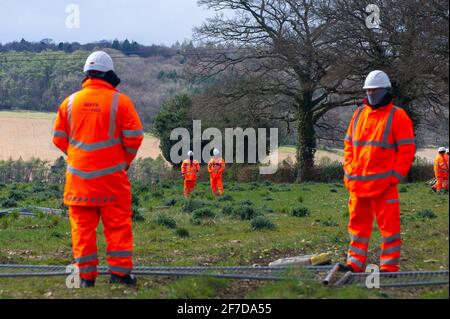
pixel 217 236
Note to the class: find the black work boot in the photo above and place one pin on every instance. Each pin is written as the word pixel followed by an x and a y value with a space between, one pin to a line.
pixel 345 267
pixel 86 283
pixel 128 280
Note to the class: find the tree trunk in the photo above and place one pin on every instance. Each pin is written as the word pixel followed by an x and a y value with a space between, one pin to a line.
pixel 306 144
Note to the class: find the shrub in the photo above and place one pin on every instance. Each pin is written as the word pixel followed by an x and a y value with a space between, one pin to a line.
pixel 328 223
pixel 262 222
pixel 246 202
pixel 8 203
pixel 426 214
pixel 403 189
pixel 136 214
pixel 225 198
pixel 17 195
pixel 4 223
pixel 54 221
pixel 135 200
pixel 245 212
pixel 190 205
pixel 166 221
pixel 182 232
pixel 300 199
pixel 227 210
pixel 300 212
pixel 170 202
pixel 14 215
pixel 203 213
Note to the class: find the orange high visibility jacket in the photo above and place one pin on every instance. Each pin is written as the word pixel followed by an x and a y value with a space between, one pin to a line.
pixel 190 171
pixel 379 149
pixel 216 166
pixel 100 131
pixel 441 166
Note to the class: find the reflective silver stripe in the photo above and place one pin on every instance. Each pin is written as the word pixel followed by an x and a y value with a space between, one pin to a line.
pixel 391 250
pixel 132 133
pixel 95 146
pixel 387 128
pixel 373 143
pixel 369 177
pixel 59 134
pixel 96 173
pixel 84 270
pixel 131 150
pixel 113 115
pixel 392 261
pixel 390 239
pixel 405 141
pixel 86 259
pixel 375 176
pixel 357 262
pixel 355 123
pixel 122 270
pixel 398 175
pixel 69 113
pixel 357 250
pixel 359 239
pixel 120 253
pixel 392 201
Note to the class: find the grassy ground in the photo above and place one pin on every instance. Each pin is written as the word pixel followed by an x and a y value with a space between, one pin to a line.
pixel 224 239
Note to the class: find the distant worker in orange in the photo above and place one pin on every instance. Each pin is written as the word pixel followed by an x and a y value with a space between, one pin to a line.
pixel 189 169
pixel 446 155
pixel 441 170
pixel 100 131
pixel 216 167
pixel 379 151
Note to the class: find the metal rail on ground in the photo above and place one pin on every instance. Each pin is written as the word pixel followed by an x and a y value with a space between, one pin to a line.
pixel 311 273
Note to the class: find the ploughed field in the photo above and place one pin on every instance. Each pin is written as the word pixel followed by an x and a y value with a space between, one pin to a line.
pixel 28 135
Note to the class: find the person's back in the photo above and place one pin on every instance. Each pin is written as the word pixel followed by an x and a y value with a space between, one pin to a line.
pixel 216 167
pixel 101 143
pixel 100 131
pixel 441 170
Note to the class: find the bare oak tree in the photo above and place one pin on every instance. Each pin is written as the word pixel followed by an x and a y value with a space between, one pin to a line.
pixel 279 53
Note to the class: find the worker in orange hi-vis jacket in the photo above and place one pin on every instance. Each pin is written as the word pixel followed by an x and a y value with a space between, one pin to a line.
pixel 100 131
pixel 216 167
pixel 379 151
pixel 441 170
pixel 189 169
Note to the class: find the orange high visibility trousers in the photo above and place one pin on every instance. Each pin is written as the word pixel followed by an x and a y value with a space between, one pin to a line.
pixel 386 209
pixel 189 186
pixel 119 237
pixel 216 184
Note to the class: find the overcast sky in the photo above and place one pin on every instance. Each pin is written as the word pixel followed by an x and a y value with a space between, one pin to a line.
pixel 145 21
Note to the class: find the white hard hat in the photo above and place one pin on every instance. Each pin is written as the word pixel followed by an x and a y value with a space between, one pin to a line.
pixel 377 79
pixel 190 153
pixel 216 152
pixel 442 149
pixel 99 61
